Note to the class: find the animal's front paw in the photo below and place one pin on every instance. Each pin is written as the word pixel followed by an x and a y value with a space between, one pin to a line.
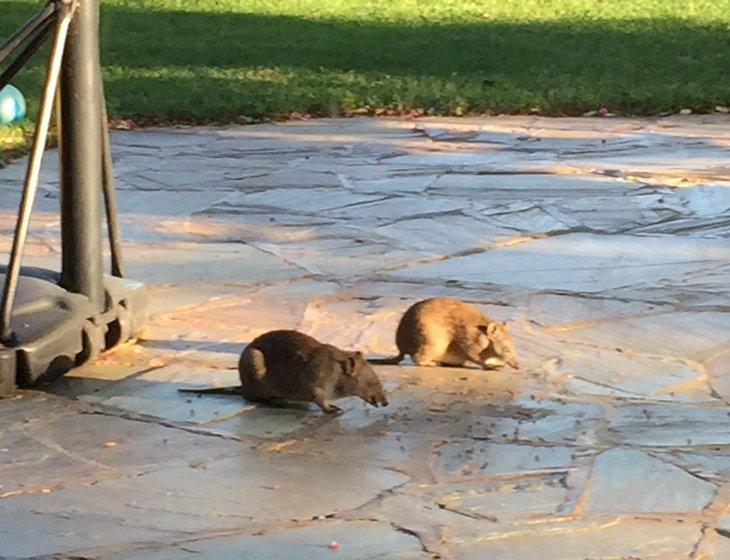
pixel 330 408
pixel 426 363
pixel 491 367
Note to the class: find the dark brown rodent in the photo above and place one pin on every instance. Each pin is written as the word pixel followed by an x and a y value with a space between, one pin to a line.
pixel 287 365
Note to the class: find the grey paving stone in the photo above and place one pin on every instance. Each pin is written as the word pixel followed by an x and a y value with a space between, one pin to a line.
pixel 460 458
pixel 626 480
pixel 576 540
pixel 358 540
pixel 199 496
pixel 579 262
pixel 672 425
pixel 607 372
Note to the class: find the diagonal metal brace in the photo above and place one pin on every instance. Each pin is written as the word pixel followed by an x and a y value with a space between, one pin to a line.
pixel 43 32
pixel 45 15
pixel 64 10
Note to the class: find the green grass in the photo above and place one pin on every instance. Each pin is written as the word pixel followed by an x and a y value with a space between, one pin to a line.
pixel 221 59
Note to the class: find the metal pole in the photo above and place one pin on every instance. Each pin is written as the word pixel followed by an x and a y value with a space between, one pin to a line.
pixel 32 174
pixel 81 158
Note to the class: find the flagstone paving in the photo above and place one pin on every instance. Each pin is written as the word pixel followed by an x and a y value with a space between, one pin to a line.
pixel 604 242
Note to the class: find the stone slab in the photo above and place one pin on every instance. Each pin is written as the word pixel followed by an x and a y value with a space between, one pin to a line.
pixel 626 481
pixel 579 262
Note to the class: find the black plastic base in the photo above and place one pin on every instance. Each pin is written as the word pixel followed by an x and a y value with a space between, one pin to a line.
pixel 55 330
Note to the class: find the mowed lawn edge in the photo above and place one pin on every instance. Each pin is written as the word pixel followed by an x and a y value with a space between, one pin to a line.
pixel 220 60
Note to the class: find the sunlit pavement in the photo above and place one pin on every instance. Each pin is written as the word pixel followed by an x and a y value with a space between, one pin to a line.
pixel 604 242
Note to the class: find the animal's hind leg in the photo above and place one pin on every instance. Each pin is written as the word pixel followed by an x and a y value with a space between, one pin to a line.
pixel 432 353
pixel 252 364
pixel 252 370
pixel 426 357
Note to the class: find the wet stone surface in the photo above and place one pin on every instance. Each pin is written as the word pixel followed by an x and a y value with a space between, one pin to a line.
pixel 604 242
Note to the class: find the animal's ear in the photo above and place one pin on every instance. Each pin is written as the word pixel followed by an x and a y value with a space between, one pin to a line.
pixel 348 365
pixel 489 329
pixel 358 355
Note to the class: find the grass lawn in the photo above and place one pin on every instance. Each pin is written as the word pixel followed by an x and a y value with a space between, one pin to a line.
pixel 221 59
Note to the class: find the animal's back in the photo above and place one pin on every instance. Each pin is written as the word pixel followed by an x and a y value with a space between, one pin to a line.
pixel 274 365
pixel 285 346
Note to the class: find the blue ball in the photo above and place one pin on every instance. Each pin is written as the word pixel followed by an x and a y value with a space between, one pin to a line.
pixel 12 105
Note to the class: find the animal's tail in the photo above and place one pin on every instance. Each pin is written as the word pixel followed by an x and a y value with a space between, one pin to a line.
pixel 214 391
pixel 394 361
